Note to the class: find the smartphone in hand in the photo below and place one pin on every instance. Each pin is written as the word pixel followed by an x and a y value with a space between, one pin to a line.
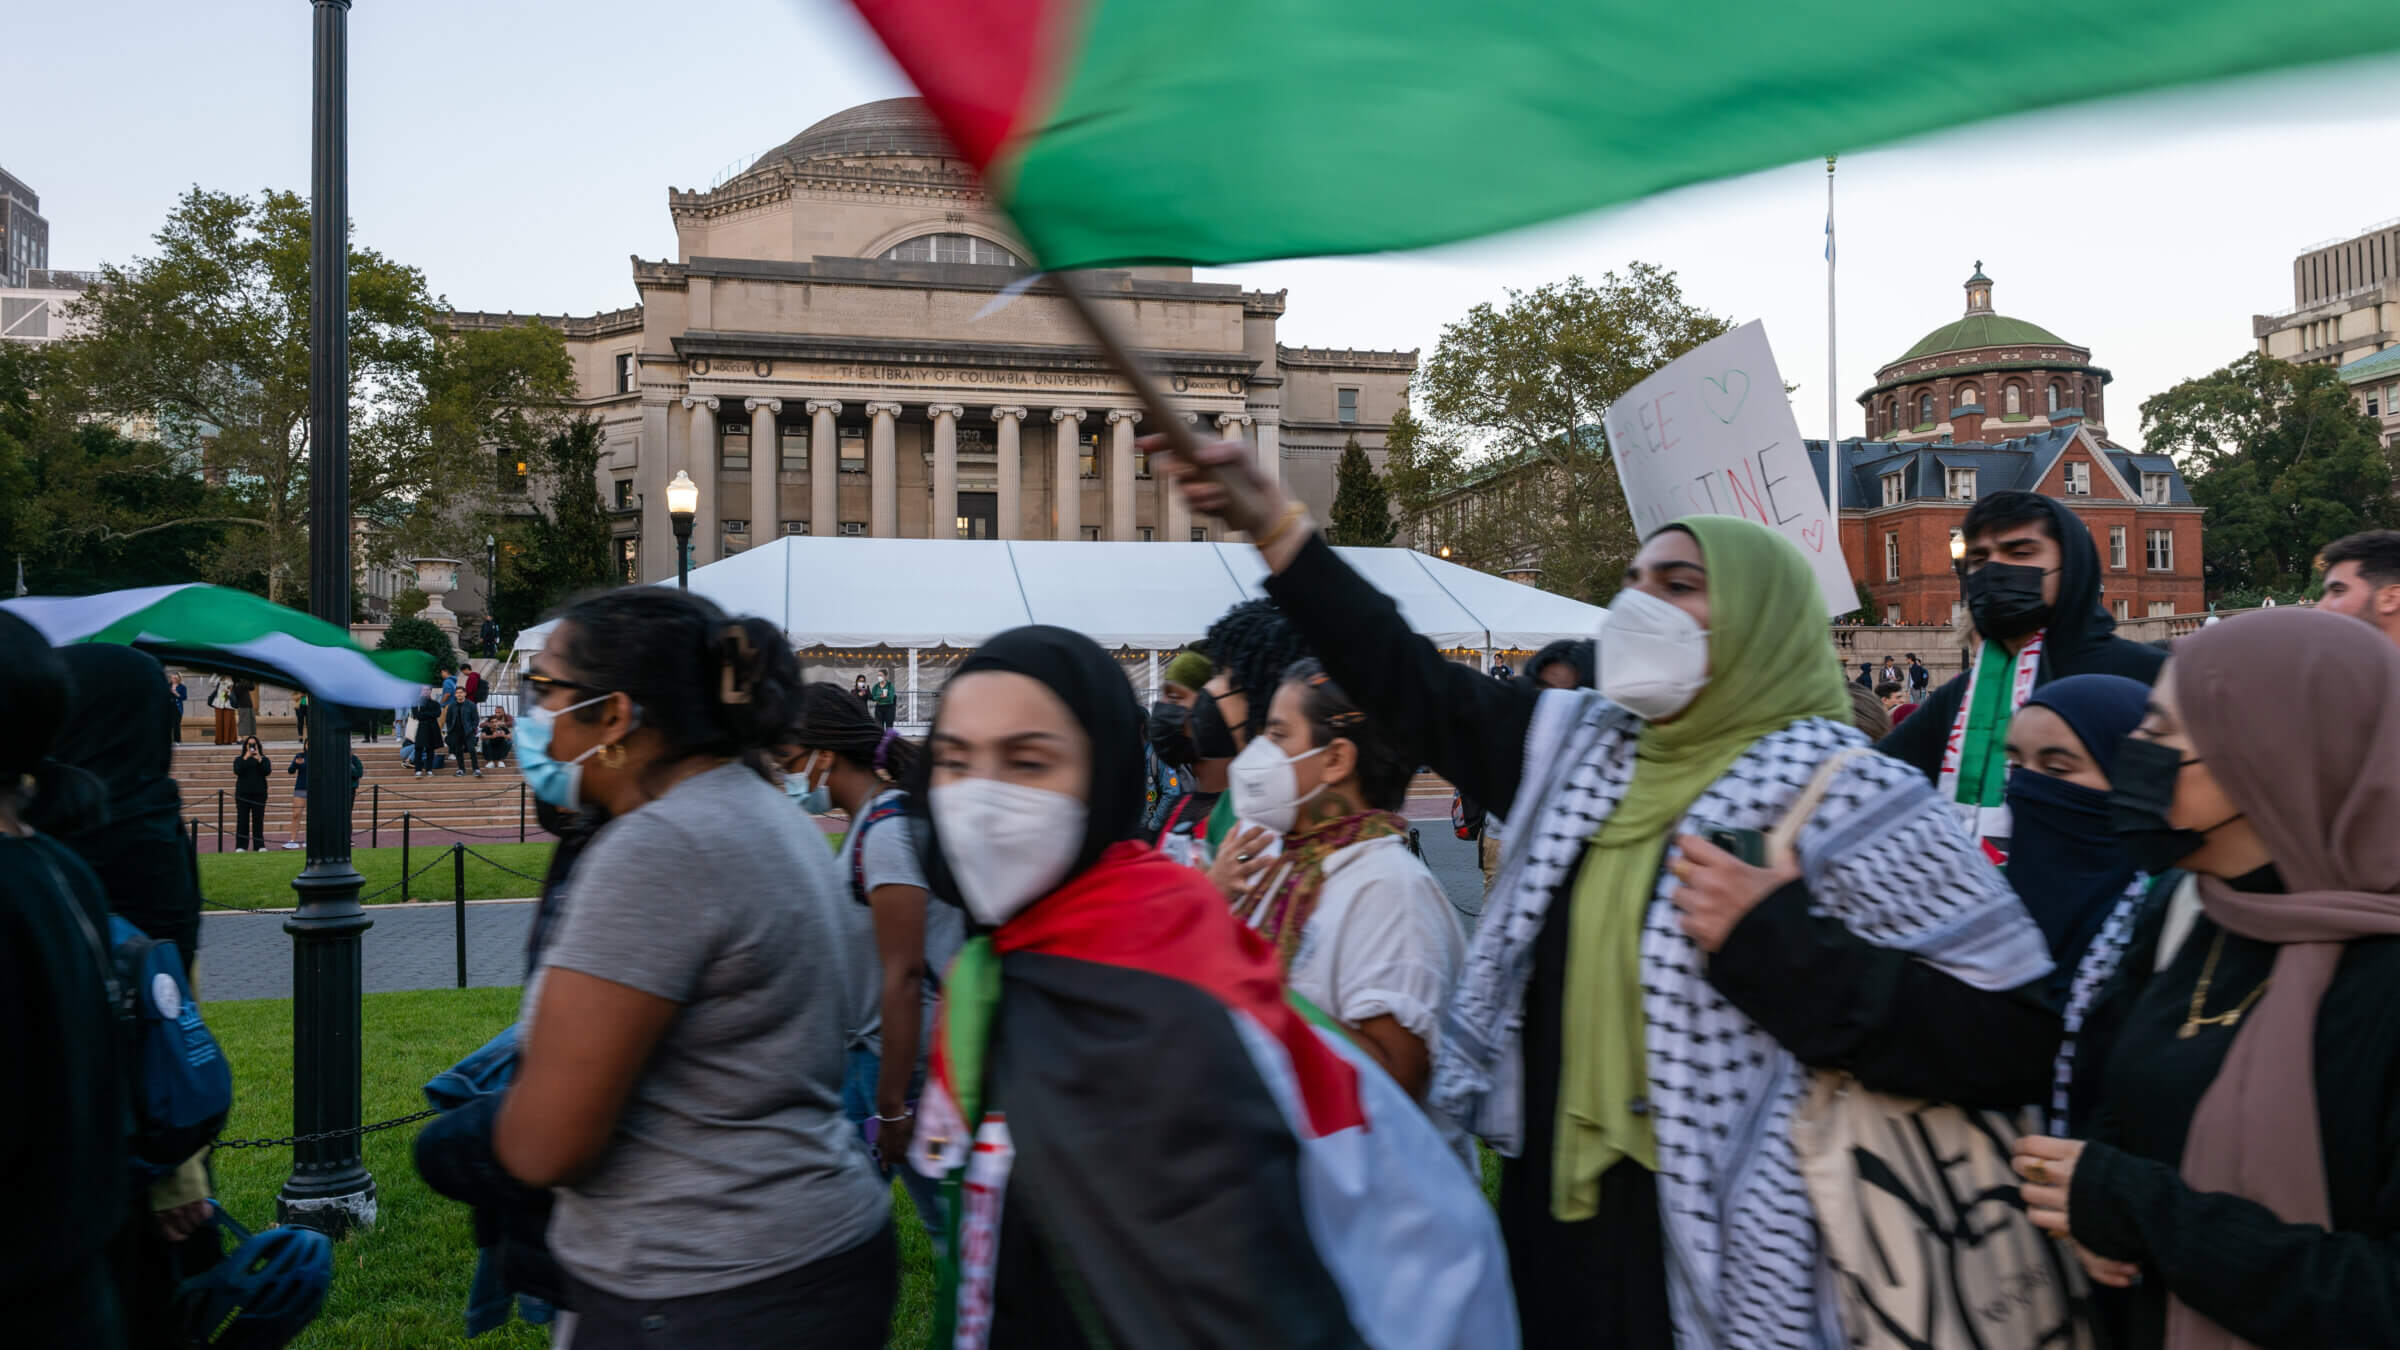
pixel 1748 845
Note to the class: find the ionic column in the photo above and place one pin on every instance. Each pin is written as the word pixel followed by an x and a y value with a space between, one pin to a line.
pixel 766 466
pixel 700 450
pixel 1178 513
pixel 1066 428
pixel 1011 508
pixel 883 471
pixel 1120 472
pixel 824 468
pixel 945 469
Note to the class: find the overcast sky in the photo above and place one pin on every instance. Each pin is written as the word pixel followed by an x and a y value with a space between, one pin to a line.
pixel 519 150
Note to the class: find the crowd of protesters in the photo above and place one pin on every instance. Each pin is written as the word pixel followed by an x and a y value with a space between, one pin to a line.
pixel 1171 1037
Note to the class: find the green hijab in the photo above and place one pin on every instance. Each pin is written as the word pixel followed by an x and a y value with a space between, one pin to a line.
pixel 1770 664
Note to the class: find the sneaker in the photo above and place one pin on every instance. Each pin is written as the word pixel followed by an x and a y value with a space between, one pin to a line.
pixel 291 843
pixel 479 773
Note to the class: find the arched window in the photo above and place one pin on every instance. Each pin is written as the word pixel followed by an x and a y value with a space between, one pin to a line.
pixel 1924 409
pixel 951 248
pixel 2054 396
pixel 1965 398
pixel 2016 400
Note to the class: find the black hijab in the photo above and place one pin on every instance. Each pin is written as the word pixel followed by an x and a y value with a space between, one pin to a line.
pixel 1101 700
pixel 120 728
pixel 2064 862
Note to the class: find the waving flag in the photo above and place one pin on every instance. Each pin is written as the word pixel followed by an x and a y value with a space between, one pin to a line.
pixel 217 628
pixel 1211 131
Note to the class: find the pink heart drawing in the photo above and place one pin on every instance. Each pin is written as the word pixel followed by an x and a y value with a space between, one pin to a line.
pixel 1814 535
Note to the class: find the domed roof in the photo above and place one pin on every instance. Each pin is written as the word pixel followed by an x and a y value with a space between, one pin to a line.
pixel 891 126
pixel 1982 330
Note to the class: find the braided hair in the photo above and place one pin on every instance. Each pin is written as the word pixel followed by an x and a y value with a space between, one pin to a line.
pixel 838 721
pixel 1383 771
pixel 1253 644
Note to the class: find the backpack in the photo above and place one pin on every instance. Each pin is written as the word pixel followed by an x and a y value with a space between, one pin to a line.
pixel 474 687
pixel 180 1087
pixel 858 852
pixel 183 1088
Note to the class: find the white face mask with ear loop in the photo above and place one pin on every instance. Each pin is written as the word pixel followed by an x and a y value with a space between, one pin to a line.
pixel 1008 844
pixel 1653 656
pixel 1266 788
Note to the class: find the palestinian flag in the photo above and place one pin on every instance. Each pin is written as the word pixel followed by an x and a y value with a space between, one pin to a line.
pixel 1167 1152
pixel 1210 131
pixel 217 628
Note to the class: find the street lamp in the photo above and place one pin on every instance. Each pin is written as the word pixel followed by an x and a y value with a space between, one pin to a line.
pixel 1958 551
pixel 329 1188
pixel 491 578
pixel 683 502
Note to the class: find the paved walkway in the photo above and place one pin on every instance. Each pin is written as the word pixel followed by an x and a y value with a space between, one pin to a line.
pixel 415 946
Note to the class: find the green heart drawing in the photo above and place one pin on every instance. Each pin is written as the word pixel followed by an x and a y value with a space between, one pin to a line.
pixel 1717 389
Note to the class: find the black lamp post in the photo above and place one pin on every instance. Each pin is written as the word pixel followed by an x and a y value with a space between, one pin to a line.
pixel 329 1188
pixel 491 579
pixel 683 502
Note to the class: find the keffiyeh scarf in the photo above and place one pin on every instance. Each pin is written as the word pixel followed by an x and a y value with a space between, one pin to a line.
pixel 1882 854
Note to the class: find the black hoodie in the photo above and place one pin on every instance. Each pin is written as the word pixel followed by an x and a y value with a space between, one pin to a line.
pixel 2080 639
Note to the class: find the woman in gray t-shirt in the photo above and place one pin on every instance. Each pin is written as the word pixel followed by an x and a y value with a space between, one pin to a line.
pixel 841 756
pixel 681 1074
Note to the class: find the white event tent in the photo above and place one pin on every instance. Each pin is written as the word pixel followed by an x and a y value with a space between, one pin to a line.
pixel 913 594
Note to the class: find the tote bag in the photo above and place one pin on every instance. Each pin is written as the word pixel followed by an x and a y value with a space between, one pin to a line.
pixel 1922 1222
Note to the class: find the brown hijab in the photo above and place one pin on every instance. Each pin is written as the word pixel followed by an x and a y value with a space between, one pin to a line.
pixel 2323 792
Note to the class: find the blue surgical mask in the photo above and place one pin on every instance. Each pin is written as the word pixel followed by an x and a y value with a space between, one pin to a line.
pixel 558 784
pixel 817 800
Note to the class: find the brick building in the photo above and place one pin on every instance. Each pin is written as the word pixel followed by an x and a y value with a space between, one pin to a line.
pixel 1901 503
pixel 1989 404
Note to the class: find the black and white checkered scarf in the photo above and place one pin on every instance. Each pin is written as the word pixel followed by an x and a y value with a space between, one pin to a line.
pixel 1881 854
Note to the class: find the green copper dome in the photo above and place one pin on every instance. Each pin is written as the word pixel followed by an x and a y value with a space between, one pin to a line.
pixel 1982 330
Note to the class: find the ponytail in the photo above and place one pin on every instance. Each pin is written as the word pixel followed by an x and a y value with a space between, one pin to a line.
pixel 836 720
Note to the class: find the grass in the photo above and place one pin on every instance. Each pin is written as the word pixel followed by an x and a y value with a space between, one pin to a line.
pixel 402 1283
pixel 264 880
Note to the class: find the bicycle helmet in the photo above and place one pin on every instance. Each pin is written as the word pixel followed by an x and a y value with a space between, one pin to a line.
pixel 262 1295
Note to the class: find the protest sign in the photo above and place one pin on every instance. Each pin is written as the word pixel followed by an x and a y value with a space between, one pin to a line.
pixel 1711 434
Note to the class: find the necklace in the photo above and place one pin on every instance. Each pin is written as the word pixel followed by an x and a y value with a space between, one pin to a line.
pixel 2195 1019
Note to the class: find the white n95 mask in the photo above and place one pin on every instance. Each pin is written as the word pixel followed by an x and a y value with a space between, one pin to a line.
pixel 1008 845
pixel 1653 656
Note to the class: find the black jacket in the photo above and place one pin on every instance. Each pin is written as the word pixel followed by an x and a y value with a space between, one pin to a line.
pixel 250 778
pixel 2081 640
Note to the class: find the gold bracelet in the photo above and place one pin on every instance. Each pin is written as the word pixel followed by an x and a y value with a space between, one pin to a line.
pixel 1292 513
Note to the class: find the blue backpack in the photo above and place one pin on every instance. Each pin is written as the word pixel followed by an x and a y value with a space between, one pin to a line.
pixel 182 1086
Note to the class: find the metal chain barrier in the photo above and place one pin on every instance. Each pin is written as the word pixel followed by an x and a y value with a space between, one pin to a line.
pixel 495 793
pixel 488 862
pixel 370 895
pixel 292 1140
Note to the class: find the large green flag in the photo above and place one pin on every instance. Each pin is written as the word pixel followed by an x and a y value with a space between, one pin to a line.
pixel 1211 131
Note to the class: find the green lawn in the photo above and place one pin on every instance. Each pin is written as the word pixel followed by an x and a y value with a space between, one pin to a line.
pixel 264 880
pixel 402 1284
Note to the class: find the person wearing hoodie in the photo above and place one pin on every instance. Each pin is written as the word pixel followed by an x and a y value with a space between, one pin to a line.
pixel 2032 585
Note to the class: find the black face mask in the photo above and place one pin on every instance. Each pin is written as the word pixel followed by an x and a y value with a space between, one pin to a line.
pixel 1171 734
pixel 2006 599
pixel 1211 737
pixel 2142 791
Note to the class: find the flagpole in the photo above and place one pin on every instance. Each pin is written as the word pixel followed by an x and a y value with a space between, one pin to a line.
pixel 1833 388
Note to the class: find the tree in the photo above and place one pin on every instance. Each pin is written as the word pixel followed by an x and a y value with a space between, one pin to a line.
pixel 1523 387
pixel 565 545
pixel 422 635
pixel 1362 506
pixel 208 341
pixel 2282 459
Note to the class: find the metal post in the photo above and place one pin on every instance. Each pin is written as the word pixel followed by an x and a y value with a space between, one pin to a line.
pixel 520 810
pixel 458 906
pixel 375 820
pixel 682 522
pixel 329 1188
pixel 404 872
pixel 220 820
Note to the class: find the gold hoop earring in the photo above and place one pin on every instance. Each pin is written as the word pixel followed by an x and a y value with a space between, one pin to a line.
pixel 611 756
